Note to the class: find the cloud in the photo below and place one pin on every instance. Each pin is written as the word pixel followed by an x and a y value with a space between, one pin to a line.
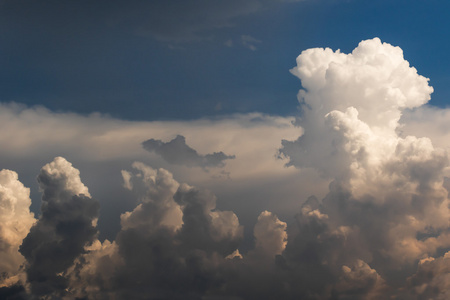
pixel 335 84
pixel 387 193
pixel 66 226
pixel 177 152
pixel 100 138
pixel 15 222
pixel 101 146
pixel 175 237
pixel 155 190
pixel 249 42
pixel 270 234
pixel 378 228
pixel 432 280
pixel 13 292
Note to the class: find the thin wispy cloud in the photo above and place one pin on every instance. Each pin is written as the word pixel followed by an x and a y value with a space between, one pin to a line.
pixel 250 42
pixel 186 21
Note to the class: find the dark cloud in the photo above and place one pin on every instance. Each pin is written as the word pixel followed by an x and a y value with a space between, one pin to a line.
pixel 323 255
pixel 431 281
pixel 177 152
pixel 177 245
pixel 164 258
pixel 65 227
pixel 15 292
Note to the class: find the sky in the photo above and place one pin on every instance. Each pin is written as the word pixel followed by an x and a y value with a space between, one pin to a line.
pixel 158 60
pixel 210 149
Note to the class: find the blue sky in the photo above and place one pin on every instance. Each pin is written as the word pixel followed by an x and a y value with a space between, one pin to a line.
pixel 150 61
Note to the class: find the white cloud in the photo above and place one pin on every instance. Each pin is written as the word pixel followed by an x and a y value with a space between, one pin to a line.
pixel 270 234
pixel 352 104
pixel 15 222
pixel 66 177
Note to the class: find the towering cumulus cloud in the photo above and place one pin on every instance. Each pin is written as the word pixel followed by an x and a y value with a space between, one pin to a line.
pixel 15 222
pixel 60 235
pixel 380 231
pixel 175 239
pixel 387 206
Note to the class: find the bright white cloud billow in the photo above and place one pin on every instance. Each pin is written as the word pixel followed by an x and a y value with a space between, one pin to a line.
pixel 15 222
pixel 361 211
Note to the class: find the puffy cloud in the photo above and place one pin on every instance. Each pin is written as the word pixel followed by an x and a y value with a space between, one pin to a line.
pixel 359 281
pixel 177 152
pixel 387 203
pixel 432 280
pixel 378 231
pixel 93 272
pixel 100 146
pixel 368 88
pixel 427 121
pixel 270 234
pixel 66 226
pixel 155 190
pixel 174 238
pixel 211 230
pixel 15 223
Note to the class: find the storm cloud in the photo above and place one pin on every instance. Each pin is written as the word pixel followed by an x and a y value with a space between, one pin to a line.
pixel 178 152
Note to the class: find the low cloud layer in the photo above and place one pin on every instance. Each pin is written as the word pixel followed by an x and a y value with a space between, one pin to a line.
pixel 178 152
pixel 379 231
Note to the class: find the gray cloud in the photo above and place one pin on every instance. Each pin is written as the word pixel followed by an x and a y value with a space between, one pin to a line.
pixel 65 227
pixel 181 255
pixel 178 152
pixel 431 279
pixel 15 292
